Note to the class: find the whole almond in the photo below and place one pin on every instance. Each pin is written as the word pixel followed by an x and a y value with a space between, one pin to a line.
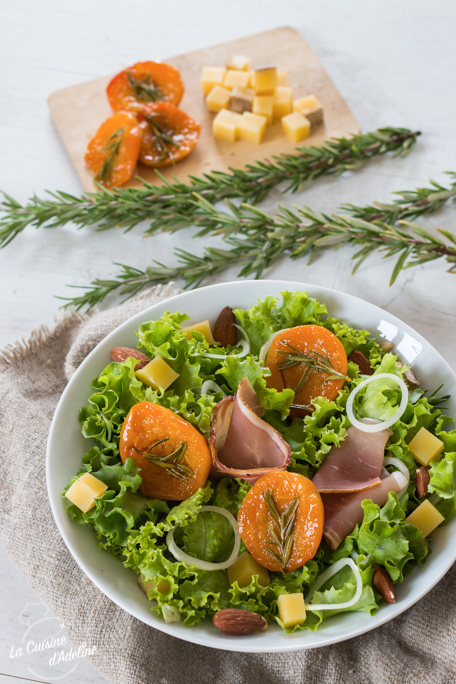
pixel 386 346
pixel 121 354
pixel 361 361
pixel 236 622
pixel 225 331
pixel 422 479
pixel 382 582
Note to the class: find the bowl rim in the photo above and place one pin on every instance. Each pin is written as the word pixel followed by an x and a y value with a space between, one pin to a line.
pixel 201 638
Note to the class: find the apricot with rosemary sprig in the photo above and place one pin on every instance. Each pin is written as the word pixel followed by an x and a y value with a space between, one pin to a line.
pixel 173 456
pixel 113 152
pixel 169 134
pixel 142 83
pixel 280 521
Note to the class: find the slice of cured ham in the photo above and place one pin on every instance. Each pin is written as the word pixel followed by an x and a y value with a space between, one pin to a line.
pixel 344 511
pixel 242 444
pixel 355 465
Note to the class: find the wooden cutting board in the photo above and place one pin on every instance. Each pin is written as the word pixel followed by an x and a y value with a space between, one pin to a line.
pixel 78 111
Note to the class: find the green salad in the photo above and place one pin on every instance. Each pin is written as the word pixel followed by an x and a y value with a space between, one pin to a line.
pixel 156 530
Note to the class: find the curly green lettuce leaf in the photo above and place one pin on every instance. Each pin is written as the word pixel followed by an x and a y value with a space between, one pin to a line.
pixel 229 493
pixel 234 370
pixel 385 538
pixel 443 476
pixel 270 314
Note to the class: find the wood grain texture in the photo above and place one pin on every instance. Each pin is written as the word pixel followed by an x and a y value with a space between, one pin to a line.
pixel 79 110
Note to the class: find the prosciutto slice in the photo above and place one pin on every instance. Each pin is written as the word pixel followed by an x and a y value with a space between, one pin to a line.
pixel 241 443
pixel 344 511
pixel 355 465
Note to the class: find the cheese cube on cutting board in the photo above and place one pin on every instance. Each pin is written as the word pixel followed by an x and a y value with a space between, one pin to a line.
pixel 236 79
pixel 264 80
pixel 239 62
pixel 225 126
pixel 311 108
pixel 241 100
pixel 84 491
pixel 252 127
pixel 425 446
pixel 292 610
pixel 157 374
pixel 262 105
pixel 425 517
pixel 210 77
pixel 245 568
pixel 281 105
pixel 203 327
pixel 296 127
pixel 218 98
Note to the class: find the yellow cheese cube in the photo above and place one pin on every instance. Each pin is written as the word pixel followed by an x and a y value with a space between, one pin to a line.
pixel 162 587
pixel 282 78
pixel 292 610
pixel 425 446
pixel 281 105
pixel 264 80
pixel 97 486
pixel 203 327
pixel 81 496
pixel 157 374
pixel 210 77
pixel 262 104
pixel 244 569
pixel 236 79
pixel 241 100
pixel 296 127
pixel 218 98
pixel 225 125
pixel 311 108
pixel 426 518
pixel 239 62
pixel 252 127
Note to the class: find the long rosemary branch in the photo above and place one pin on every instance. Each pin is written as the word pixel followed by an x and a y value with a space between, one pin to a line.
pixel 298 233
pixel 172 204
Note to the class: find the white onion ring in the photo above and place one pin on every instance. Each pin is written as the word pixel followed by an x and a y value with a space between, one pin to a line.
pixel 325 576
pixel 211 385
pixel 400 465
pixel 206 565
pixel 377 427
pixel 244 344
pixel 265 348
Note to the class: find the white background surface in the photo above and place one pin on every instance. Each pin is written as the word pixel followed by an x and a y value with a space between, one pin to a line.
pixel 393 62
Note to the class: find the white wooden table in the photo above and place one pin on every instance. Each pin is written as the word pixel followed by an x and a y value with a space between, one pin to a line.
pixel 393 62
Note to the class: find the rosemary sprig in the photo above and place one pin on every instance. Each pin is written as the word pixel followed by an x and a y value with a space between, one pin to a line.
pixel 171 462
pixel 171 205
pixel 112 149
pixel 297 233
pixel 163 136
pixel 280 529
pixel 144 88
pixel 313 362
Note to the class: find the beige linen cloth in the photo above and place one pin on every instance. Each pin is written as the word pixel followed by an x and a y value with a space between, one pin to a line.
pixel 418 646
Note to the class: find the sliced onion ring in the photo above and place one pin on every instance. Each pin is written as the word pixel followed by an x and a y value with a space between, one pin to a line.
pixel 206 565
pixel 265 348
pixel 325 576
pixel 211 386
pixel 377 427
pixel 244 344
pixel 400 465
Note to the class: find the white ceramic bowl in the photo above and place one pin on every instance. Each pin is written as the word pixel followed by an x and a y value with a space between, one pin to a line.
pixel 66 447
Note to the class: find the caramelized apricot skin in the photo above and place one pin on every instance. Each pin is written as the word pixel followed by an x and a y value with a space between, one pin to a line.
pixel 122 126
pixel 147 423
pixel 307 339
pixel 253 518
pixel 165 77
pixel 176 123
